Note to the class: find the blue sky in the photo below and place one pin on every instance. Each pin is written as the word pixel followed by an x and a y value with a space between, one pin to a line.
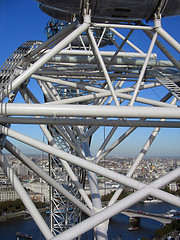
pixel 22 20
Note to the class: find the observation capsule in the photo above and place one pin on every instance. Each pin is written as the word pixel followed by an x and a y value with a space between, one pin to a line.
pixel 110 10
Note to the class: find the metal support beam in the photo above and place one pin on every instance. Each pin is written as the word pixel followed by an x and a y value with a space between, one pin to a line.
pixel 24 197
pixel 90 122
pixel 65 164
pixel 101 230
pixel 16 152
pixel 84 89
pixel 143 71
pixel 106 54
pixel 116 61
pixel 39 63
pixel 75 160
pixel 120 206
pixel 169 39
pixel 102 65
pixel 8 109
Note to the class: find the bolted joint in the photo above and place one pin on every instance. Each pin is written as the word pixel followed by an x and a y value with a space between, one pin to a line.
pixel 157 21
pixel 87 17
pixel 87 12
pixel 11 97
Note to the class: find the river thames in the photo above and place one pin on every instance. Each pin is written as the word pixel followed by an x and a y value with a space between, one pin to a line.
pixel 118 225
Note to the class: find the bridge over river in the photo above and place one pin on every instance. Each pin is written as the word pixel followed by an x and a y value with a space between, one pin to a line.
pixel 163 218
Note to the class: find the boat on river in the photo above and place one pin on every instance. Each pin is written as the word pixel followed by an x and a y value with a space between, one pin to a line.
pixel 133 228
pixel 23 236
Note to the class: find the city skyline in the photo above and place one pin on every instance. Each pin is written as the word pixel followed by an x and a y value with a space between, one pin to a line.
pixel 21 21
pixel 102 99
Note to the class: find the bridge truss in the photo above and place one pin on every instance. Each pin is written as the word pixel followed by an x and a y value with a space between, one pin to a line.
pixel 86 89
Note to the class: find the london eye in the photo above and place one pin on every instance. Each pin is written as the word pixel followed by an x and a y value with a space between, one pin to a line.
pixel 99 88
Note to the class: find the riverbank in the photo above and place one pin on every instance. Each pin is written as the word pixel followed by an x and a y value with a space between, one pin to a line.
pixel 7 216
pixel 20 214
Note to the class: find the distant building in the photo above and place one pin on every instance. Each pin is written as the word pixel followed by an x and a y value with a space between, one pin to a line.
pixel 38 188
pixel 8 193
pixel 178 163
pixel 37 197
pixel 173 186
pixel 23 170
pixel 3 179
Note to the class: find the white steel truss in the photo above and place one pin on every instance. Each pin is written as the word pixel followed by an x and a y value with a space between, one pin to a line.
pixel 85 89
